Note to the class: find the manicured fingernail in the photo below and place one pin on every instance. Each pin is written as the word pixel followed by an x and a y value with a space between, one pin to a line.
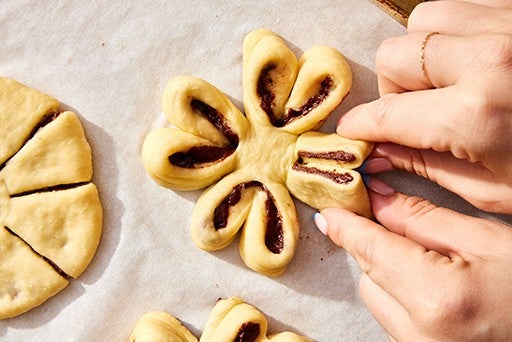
pixel 379 187
pixel 376 165
pixel 320 222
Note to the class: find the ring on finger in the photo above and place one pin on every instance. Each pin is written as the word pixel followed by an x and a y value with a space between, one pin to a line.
pixel 422 58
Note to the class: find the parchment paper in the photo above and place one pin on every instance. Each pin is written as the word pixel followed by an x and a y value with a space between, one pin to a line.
pixel 109 61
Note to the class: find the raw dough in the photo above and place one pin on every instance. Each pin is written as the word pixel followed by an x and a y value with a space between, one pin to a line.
pixel 159 326
pixel 231 320
pixel 50 212
pixel 252 163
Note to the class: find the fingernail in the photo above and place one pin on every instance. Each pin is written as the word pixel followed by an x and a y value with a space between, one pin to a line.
pixel 379 187
pixel 320 222
pixel 376 165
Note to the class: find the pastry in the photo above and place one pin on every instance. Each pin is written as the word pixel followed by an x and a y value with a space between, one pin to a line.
pixel 50 212
pixel 230 320
pixel 252 163
pixel 159 326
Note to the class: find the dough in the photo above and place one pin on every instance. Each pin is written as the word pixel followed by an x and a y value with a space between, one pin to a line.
pixel 159 326
pixel 50 212
pixel 230 320
pixel 251 163
pixel 233 320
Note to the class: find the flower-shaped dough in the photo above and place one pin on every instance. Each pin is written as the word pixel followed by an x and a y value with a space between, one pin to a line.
pixel 254 161
pixel 230 320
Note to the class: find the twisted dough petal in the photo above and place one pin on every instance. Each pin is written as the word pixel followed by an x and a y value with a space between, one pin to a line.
pixel 197 107
pixel 283 92
pixel 181 160
pixel 203 146
pixel 233 320
pixel 324 176
pixel 266 211
pixel 269 71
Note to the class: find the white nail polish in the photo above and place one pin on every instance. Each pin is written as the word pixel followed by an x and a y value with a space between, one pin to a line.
pixel 320 222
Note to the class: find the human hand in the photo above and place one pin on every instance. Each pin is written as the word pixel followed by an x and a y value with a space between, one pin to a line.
pixel 458 134
pixel 428 273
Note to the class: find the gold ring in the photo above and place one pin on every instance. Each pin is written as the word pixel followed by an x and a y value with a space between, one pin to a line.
pixel 422 58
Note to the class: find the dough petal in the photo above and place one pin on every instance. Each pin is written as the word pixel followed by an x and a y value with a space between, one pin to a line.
pixel 26 280
pixel 161 144
pixel 324 176
pixel 232 320
pixel 64 226
pixel 21 110
pixel 269 72
pixel 57 154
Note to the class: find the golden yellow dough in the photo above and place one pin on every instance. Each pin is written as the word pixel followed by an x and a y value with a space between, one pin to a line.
pixel 250 163
pixel 64 226
pixel 50 213
pixel 230 320
pixel 26 280
pixel 21 109
pixel 57 154
pixel 159 326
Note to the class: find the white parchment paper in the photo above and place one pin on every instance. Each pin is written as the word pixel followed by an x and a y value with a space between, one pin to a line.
pixel 109 61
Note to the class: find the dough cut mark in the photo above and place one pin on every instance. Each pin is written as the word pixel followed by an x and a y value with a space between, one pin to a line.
pixel 59 187
pixel 48 261
pixel 40 125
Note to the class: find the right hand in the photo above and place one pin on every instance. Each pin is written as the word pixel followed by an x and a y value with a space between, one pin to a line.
pixel 458 134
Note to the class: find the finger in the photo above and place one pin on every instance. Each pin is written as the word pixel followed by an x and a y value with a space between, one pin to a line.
pixel 442 230
pixel 398 265
pixel 447 59
pixel 402 119
pixel 452 17
pixel 494 3
pixel 390 314
pixel 471 181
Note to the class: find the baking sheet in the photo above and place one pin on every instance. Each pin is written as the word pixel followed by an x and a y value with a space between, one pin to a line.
pixel 109 61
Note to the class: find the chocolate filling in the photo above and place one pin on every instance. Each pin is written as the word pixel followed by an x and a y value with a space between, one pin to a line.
pixel 274 237
pixel 221 213
pixel 265 93
pixel 267 97
pixel 340 178
pixel 213 116
pixel 198 156
pixel 50 189
pixel 248 332
pixel 334 155
pixel 312 102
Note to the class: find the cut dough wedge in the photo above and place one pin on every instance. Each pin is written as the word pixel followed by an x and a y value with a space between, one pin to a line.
pixel 50 214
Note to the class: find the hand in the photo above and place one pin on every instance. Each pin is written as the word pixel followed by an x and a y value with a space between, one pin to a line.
pixel 458 134
pixel 431 273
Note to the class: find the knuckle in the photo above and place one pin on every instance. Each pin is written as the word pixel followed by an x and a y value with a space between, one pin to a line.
pixel 364 249
pixel 451 306
pixel 418 207
pixel 497 51
pixel 384 109
pixel 384 54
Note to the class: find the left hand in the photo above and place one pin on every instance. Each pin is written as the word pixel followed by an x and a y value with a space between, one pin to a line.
pixel 429 273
